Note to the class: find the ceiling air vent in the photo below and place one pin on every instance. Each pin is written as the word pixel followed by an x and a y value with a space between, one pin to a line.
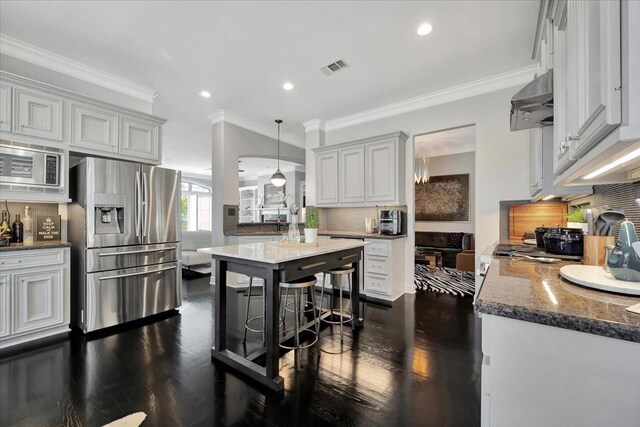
pixel 334 67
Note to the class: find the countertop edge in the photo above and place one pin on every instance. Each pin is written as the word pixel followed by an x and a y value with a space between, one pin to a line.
pixel 13 248
pixel 599 327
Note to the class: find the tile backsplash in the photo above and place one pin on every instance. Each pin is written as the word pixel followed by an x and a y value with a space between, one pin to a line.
pixel 350 219
pixel 36 209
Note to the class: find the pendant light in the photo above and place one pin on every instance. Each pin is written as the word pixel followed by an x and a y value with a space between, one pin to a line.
pixel 422 170
pixel 278 179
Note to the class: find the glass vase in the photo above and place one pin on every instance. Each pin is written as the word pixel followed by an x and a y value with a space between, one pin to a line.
pixel 294 232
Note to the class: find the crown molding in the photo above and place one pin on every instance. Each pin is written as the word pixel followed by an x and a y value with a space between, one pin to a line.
pixel 454 93
pixel 313 125
pixel 44 58
pixel 243 122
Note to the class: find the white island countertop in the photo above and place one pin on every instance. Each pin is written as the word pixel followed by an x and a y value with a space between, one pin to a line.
pixel 271 253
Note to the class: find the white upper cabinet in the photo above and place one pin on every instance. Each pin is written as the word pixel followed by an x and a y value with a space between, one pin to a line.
pixel 381 164
pixel 596 51
pixel 596 96
pixel 139 138
pixel 327 177
pixel 351 185
pixel 5 107
pixel 535 152
pixel 93 128
pixel 37 114
pixel 365 172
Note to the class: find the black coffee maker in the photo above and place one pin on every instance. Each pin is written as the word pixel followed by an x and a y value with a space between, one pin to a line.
pixel 390 222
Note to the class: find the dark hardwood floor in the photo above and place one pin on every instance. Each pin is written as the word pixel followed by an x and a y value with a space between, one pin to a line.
pixel 417 363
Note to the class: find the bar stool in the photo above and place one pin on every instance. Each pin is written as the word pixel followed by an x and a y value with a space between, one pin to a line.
pixel 345 316
pixel 298 286
pixel 247 320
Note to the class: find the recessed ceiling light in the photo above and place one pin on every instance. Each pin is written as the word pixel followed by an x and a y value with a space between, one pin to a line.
pixel 287 86
pixel 424 29
pixel 205 94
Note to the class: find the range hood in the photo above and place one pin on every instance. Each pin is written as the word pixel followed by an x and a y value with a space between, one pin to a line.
pixel 532 106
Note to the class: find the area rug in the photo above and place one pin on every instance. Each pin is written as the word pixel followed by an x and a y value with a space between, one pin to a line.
pixel 133 420
pixel 446 280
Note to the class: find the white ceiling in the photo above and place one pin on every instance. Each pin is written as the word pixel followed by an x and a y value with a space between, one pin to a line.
pixel 242 52
pixel 447 142
pixel 261 166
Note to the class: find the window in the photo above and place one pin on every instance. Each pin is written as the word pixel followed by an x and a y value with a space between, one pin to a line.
pixel 195 207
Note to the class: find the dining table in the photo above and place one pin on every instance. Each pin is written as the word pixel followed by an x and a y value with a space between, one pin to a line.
pixel 275 263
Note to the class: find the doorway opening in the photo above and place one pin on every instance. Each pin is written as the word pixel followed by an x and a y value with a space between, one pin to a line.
pixel 444 210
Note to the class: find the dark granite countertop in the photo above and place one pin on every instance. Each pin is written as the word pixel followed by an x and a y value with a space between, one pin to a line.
pixel 359 234
pixel 34 245
pixel 536 292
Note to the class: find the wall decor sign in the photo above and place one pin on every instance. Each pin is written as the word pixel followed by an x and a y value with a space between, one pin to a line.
pixel 443 198
pixel 47 228
pixel 274 196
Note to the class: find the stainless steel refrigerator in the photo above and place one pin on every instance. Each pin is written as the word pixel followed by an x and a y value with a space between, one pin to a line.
pixel 124 227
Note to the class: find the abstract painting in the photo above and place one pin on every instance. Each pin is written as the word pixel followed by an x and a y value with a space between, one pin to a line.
pixel 443 198
pixel 274 196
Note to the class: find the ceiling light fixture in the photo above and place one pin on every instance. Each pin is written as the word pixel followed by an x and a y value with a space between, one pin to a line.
pixel 287 86
pixel 613 164
pixel 424 29
pixel 549 197
pixel 422 170
pixel 205 94
pixel 278 179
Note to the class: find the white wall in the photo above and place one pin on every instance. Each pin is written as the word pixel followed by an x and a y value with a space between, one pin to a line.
pixel 501 163
pixel 229 143
pixel 453 164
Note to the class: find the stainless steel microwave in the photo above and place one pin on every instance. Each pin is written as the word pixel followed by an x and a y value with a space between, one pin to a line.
pixel 30 166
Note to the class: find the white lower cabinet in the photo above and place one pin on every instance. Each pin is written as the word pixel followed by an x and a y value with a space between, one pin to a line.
pixel 5 303
pixel 383 268
pixel 37 300
pixel 538 375
pixel 34 296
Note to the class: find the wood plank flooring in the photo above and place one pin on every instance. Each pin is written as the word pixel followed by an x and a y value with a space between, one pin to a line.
pixel 416 363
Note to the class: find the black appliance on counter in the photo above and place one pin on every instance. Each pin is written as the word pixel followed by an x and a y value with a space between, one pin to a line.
pixel 390 221
pixel 564 241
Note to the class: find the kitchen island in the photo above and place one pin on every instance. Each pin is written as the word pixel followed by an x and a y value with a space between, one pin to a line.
pixel 556 353
pixel 274 264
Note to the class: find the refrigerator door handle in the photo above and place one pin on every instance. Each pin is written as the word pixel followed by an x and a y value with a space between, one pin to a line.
pixel 139 273
pixel 138 205
pixel 145 251
pixel 145 208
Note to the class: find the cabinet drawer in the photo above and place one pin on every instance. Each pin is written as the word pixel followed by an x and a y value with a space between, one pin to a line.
pixel 377 265
pixel 377 247
pixel 376 283
pixel 31 258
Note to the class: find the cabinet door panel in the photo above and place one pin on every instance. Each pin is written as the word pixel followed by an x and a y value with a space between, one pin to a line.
pixel 561 93
pixel 597 71
pixel 5 107
pixel 5 302
pixel 535 147
pixel 94 128
pixel 351 175
pixel 139 138
pixel 327 178
pixel 37 300
pixel 381 173
pixel 37 114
